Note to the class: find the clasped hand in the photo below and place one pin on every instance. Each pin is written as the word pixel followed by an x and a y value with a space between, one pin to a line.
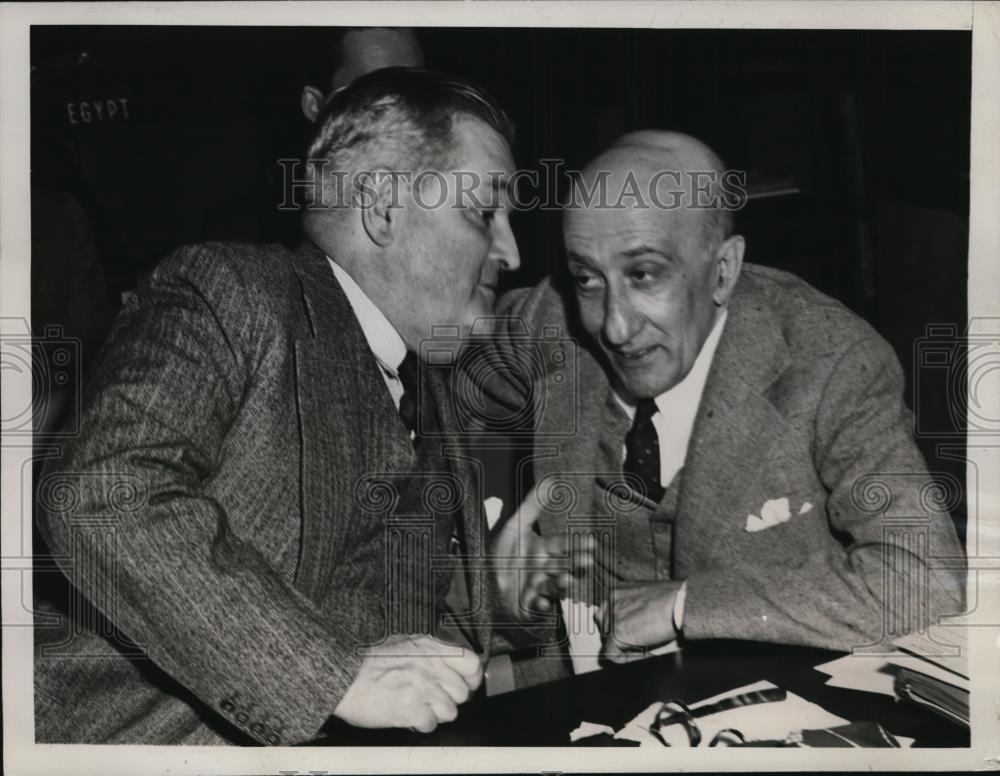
pixel 413 681
pixel 535 571
pixel 532 571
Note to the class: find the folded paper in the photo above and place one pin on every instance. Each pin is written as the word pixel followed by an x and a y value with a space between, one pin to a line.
pixel 587 729
pixel 756 722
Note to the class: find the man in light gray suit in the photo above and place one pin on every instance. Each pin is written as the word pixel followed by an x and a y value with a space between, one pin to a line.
pixel 734 431
pixel 259 516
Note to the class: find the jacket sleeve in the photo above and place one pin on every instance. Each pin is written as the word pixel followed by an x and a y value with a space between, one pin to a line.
pixel 175 578
pixel 894 560
pixel 497 380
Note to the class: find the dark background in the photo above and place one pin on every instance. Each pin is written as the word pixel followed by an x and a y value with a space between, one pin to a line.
pixel 855 143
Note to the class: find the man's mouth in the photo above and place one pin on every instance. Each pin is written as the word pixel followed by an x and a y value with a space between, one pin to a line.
pixel 634 357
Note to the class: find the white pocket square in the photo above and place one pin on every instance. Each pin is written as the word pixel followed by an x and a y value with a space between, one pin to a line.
pixel 774 512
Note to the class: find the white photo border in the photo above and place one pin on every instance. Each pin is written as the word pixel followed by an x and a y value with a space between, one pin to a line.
pixel 23 757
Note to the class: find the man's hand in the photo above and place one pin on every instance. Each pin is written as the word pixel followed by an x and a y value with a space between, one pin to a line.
pixel 637 615
pixel 410 682
pixel 533 571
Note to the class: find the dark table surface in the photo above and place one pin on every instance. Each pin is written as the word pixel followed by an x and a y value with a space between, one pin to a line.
pixel 545 714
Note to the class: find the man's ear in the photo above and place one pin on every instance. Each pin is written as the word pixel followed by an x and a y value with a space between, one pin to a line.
pixel 311 101
pixel 377 200
pixel 728 262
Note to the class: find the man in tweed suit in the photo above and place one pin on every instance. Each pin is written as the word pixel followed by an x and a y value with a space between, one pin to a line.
pixel 244 512
pixel 741 426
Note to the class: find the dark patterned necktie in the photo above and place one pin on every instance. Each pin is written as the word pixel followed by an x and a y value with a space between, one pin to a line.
pixel 642 450
pixel 409 376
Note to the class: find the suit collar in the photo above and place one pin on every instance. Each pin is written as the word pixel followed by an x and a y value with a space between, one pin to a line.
pixel 752 348
pixel 347 420
pixel 736 422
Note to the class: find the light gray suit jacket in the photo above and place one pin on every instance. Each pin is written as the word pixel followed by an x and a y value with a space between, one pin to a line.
pixel 803 401
pixel 209 510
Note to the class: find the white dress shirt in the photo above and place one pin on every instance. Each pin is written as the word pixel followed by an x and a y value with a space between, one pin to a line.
pixel 674 422
pixel 382 337
pixel 678 407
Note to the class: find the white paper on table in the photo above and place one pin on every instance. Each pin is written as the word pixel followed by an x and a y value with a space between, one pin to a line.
pixel 585 637
pixel 860 672
pixel 762 721
pixel 587 729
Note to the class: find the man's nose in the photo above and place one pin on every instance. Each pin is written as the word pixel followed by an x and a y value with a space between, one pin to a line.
pixel 504 248
pixel 620 320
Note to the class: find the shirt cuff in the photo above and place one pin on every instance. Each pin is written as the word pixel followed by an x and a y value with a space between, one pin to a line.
pixel 679 608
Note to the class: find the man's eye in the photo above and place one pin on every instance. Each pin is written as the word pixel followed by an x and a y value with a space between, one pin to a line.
pixel 586 282
pixel 486 216
pixel 643 276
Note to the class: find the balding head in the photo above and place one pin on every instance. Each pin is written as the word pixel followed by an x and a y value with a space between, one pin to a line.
pixel 649 244
pixel 666 142
pixel 673 172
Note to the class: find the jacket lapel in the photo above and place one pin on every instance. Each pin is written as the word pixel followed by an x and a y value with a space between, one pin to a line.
pixel 734 428
pixel 348 425
pixel 470 523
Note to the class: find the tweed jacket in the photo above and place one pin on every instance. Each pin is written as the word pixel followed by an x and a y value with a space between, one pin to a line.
pixel 803 402
pixel 210 509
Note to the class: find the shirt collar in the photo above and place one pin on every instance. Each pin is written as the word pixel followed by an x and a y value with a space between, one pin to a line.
pixel 382 337
pixel 687 393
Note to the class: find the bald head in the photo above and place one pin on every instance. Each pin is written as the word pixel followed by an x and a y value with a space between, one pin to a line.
pixel 661 141
pixel 666 171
